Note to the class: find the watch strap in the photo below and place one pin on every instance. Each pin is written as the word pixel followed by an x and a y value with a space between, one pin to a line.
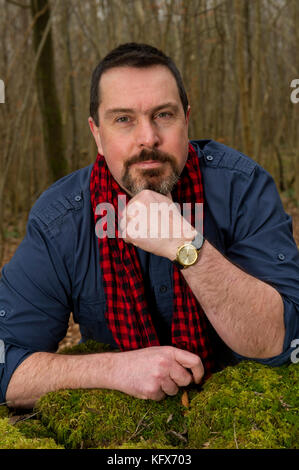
pixel 197 242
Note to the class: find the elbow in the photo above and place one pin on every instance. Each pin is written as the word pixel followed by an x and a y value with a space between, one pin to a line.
pixel 274 337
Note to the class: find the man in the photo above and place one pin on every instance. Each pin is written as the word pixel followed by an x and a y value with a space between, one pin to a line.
pixel 169 303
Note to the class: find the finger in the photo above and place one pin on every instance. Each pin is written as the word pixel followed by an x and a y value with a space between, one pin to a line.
pixel 169 387
pixel 158 396
pixel 198 372
pixel 180 375
pixel 190 361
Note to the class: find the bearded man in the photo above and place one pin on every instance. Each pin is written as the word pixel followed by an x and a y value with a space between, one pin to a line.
pixel 174 304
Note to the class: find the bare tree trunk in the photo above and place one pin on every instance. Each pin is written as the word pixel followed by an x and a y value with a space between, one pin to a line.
pixel 70 120
pixel 47 94
pixel 241 19
pixel 257 106
pixel 295 8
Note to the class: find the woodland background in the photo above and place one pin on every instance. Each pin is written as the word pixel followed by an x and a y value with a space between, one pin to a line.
pixel 237 58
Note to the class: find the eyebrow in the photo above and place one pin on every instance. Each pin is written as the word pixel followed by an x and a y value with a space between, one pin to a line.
pixel 111 112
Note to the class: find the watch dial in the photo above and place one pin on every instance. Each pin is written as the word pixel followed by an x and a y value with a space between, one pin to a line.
pixel 188 255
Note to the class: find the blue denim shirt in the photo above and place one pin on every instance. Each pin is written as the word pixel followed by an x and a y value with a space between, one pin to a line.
pixel 55 270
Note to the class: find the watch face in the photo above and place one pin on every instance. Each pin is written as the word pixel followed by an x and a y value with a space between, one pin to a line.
pixel 187 255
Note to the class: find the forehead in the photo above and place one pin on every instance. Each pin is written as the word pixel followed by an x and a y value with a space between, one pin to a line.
pixel 137 87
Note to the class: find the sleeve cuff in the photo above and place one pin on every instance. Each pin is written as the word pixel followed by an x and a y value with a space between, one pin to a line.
pixel 13 357
pixel 283 358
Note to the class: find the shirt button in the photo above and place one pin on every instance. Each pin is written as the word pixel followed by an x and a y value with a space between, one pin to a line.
pixel 210 158
pixel 2 313
pixel 163 289
pixel 78 198
pixel 281 256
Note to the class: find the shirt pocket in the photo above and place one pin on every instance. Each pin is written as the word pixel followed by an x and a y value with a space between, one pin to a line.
pixel 90 314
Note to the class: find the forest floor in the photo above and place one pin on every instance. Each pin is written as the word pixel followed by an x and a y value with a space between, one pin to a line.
pixel 12 240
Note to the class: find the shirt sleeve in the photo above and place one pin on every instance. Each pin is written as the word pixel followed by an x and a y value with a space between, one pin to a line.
pixel 34 302
pixel 263 245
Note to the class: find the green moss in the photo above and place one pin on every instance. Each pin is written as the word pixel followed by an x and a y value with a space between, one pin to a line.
pixel 12 438
pixel 4 411
pixel 144 444
pixel 33 428
pixel 89 347
pixel 247 406
pixel 101 418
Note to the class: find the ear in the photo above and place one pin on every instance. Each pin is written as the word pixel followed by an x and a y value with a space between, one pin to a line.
pixel 96 134
pixel 188 114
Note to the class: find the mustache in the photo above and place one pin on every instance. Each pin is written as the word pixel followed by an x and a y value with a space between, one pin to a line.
pixel 145 155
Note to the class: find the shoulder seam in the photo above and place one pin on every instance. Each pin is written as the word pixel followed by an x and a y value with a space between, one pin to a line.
pixel 237 163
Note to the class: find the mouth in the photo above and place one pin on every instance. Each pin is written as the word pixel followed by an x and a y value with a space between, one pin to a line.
pixel 148 164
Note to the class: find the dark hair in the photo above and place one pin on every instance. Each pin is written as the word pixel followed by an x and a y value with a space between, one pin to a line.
pixel 133 55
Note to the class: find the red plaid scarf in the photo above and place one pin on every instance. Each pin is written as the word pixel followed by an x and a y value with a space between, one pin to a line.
pixel 127 312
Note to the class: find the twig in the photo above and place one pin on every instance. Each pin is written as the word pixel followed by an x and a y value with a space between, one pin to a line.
pixel 29 417
pixel 16 419
pixel 25 38
pixel 138 425
pixel 177 434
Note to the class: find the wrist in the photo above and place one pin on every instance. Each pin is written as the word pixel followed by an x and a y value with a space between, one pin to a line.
pixel 104 367
pixel 175 243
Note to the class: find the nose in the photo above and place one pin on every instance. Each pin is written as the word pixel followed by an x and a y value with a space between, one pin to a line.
pixel 147 134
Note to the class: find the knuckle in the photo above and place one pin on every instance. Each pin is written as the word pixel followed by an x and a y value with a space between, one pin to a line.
pixel 162 364
pixel 151 389
pixel 169 350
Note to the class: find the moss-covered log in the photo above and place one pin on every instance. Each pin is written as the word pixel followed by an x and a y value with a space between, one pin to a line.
pixel 105 418
pixel 247 406
pixel 244 406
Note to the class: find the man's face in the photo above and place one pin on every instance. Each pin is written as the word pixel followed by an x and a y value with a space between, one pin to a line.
pixel 143 131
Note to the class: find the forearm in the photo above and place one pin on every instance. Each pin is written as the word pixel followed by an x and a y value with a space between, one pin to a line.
pixel 148 373
pixel 246 312
pixel 44 372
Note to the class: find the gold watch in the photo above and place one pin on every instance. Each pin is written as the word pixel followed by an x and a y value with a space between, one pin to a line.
pixel 187 254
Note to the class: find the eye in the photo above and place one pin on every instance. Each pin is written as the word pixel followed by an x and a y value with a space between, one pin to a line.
pixel 122 119
pixel 164 115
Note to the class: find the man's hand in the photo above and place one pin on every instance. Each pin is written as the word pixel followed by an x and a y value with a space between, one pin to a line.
pixel 157 371
pixel 153 223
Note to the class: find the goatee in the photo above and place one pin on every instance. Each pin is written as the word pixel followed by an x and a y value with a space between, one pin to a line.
pixel 162 180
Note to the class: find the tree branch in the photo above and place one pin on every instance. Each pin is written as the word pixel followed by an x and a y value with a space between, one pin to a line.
pixel 22 5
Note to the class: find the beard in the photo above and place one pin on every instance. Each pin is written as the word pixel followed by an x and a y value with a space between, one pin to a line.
pixel 162 179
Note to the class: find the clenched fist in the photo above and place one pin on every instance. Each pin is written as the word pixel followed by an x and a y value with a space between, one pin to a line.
pixel 154 372
pixel 152 222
